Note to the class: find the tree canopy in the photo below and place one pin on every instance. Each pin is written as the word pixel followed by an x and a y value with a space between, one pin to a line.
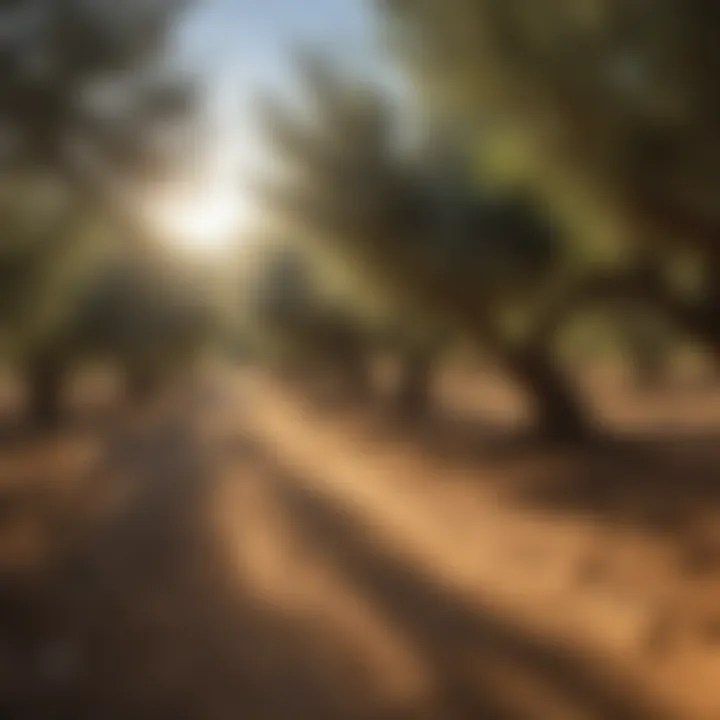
pixel 605 109
pixel 610 98
pixel 421 228
pixel 82 84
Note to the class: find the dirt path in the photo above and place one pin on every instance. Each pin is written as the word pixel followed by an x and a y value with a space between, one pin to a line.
pixel 615 596
pixel 237 554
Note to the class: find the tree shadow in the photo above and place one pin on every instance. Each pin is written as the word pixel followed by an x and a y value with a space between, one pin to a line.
pixel 483 666
pixel 139 616
pixel 461 437
pixel 657 482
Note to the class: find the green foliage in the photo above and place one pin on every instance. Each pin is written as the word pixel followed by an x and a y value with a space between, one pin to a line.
pixel 418 226
pixel 415 224
pixel 142 312
pixel 297 320
pixel 74 288
pixel 89 111
pixel 44 241
pixel 79 79
pixel 612 105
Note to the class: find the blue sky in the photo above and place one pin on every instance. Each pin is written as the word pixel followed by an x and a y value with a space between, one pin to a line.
pixel 244 44
pixel 241 47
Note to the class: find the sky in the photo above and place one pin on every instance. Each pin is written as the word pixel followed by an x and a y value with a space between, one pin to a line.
pixel 242 47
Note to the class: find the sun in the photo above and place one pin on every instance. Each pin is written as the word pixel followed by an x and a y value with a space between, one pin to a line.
pixel 206 223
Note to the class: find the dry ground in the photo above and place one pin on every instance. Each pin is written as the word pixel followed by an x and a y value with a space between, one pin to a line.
pixel 237 552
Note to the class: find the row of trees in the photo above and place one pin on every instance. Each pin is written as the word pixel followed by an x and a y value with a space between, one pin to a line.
pixel 91 115
pixel 567 163
pixel 614 108
pixel 423 233
pixel 76 290
pixel 566 159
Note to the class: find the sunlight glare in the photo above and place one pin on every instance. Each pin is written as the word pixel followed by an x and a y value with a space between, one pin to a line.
pixel 207 224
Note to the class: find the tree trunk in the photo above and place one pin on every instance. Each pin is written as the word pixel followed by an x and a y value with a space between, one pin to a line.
pixel 559 411
pixel 712 322
pixel 345 350
pixel 650 363
pixel 414 393
pixel 355 376
pixel 708 335
pixel 45 378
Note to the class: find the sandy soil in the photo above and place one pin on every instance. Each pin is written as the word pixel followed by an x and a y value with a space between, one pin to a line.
pixel 237 551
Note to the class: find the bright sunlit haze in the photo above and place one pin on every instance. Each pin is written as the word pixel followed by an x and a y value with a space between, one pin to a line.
pixel 207 222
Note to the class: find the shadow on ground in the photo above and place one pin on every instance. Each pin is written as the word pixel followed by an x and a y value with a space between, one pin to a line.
pixel 133 611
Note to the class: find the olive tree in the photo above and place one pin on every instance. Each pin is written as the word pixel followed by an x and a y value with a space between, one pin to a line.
pixel 416 223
